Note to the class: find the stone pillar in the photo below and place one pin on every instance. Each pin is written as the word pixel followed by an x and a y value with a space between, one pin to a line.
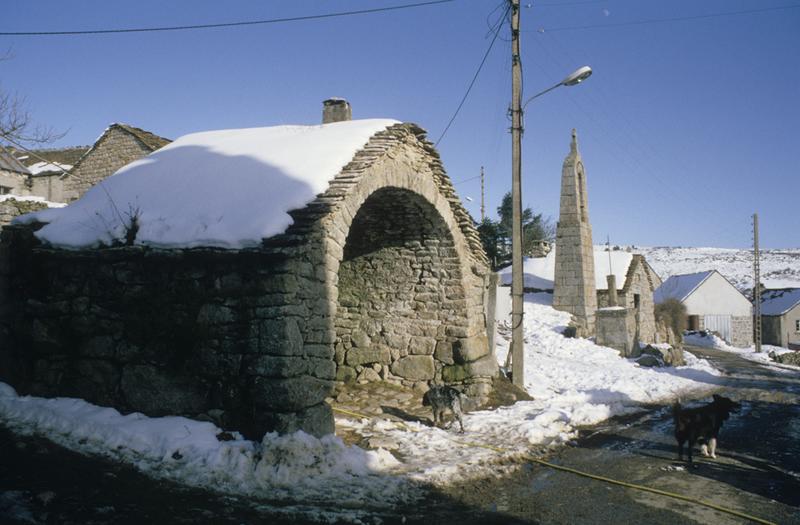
pixel 612 289
pixel 574 287
pixel 336 110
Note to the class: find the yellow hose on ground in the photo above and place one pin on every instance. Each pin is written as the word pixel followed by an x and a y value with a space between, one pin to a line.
pixel 586 474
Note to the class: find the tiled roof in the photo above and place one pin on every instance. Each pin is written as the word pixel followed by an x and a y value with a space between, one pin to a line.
pixel 68 155
pixel 9 163
pixel 150 140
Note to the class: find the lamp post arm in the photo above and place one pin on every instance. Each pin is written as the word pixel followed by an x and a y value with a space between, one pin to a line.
pixel 551 88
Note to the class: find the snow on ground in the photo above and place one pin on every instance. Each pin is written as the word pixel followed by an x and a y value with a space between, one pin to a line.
pixel 293 467
pixel 710 340
pixel 228 188
pixel 780 268
pixel 573 381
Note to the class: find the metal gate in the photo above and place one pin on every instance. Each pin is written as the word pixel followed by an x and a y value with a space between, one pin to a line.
pixel 720 324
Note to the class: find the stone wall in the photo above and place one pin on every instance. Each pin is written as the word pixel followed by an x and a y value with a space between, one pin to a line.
pixel 385 263
pixel 14 182
pixel 615 329
pixel 414 274
pixel 50 186
pixel 201 333
pixel 10 208
pixel 742 331
pixel 115 149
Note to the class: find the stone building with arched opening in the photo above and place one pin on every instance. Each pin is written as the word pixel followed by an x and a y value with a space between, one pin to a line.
pixel 225 284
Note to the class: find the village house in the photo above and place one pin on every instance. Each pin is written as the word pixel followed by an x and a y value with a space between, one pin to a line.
pixel 712 303
pixel 287 258
pixel 13 175
pixel 780 317
pixel 120 144
pixel 634 282
pixel 48 168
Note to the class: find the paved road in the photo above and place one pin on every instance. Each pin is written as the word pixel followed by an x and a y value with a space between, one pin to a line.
pixel 757 470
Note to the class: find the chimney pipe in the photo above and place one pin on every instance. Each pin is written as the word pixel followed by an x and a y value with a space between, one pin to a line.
pixel 612 289
pixel 336 110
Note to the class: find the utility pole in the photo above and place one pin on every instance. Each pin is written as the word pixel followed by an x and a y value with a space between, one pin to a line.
pixel 517 333
pixel 756 286
pixel 483 207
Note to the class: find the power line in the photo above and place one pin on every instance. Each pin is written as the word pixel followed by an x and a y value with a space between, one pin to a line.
pixel 467 180
pixel 228 24
pixel 475 77
pixel 661 20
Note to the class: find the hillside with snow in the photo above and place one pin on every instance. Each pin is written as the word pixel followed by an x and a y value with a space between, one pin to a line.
pixel 779 268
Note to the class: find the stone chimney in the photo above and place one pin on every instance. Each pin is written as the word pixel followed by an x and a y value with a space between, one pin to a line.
pixel 611 279
pixel 336 110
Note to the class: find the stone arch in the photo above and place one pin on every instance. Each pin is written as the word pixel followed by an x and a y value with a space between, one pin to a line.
pixel 406 276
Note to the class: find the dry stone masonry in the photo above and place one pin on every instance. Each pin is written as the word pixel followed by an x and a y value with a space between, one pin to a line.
pixel 381 278
pixel 574 284
pixel 119 145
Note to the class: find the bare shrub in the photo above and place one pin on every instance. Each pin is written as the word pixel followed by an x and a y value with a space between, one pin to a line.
pixel 672 313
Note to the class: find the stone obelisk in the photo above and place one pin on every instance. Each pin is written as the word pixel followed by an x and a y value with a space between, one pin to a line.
pixel 574 287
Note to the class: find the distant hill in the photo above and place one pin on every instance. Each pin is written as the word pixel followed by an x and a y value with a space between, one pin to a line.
pixel 779 268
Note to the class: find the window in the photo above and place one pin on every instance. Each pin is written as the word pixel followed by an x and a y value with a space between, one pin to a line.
pixel 797 325
pixel 5 190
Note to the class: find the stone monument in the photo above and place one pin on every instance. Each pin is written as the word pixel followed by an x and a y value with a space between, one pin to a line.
pixel 574 286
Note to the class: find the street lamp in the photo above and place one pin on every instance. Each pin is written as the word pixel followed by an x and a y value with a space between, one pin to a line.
pixel 517 304
pixel 574 78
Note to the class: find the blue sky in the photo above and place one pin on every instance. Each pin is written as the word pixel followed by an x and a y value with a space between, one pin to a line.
pixel 687 127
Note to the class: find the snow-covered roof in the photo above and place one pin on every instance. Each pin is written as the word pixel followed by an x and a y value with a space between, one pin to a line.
pixel 778 302
pixel 539 272
pixel 680 286
pixel 45 167
pixel 229 188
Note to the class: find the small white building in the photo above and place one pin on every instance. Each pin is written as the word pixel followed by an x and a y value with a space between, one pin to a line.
pixel 780 317
pixel 712 303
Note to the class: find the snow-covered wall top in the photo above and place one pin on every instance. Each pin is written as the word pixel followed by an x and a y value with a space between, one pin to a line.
pixel 43 167
pixel 228 188
pixel 539 272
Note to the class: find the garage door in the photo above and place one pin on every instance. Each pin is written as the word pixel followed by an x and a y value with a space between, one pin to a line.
pixel 720 324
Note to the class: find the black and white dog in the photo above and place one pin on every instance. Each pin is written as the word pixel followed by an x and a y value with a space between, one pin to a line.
pixel 702 425
pixel 442 398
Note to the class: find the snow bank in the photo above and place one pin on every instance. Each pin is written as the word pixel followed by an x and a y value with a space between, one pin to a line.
pixel 228 188
pixel 574 383
pixel 293 467
pixel 710 340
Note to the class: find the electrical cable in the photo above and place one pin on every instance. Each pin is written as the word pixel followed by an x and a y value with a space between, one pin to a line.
pixel 221 25
pixel 474 78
